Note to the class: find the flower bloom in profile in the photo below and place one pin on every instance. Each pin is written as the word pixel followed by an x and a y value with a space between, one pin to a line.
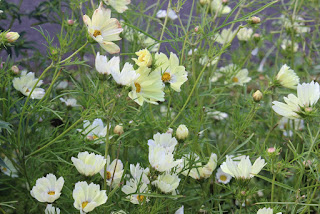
pixel 225 36
pixel 180 210
pixel 245 34
pixel 243 169
pixel 241 77
pixel 266 211
pixel 51 209
pixel 147 87
pixel 88 164
pixel 95 130
pixel 47 189
pixel 25 84
pixel 104 29
pixel 88 196
pixel 12 36
pixel 295 107
pixel 119 5
pixel 205 60
pixel 171 71
pixel 70 102
pixel 133 189
pixel 218 7
pixel 223 177
pixel 287 45
pixel 126 76
pixel 164 140
pixel 139 173
pixel 161 14
pixel 207 169
pixel 114 172
pixel 144 58
pixel 288 125
pixel 182 132
pixel 10 170
pixel 287 77
pixel 103 66
pixel 167 183
pixel 218 115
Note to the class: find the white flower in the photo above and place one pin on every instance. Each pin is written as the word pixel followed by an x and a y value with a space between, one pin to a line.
pixel 161 159
pixel 308 95
pixel 104 29
pixel 297 23
pixel 70 102
pixel 287 126
pixel 244 169
pixel 114 172
pixel 134 188
pixel 87 197
pixel 190 51
pixel 241 77
pixel 167 183
pixel 218 7
pixel 171 71
pixel 182 132
pixel 88 164
pixel 119 5
pixel 163 13
pixel 62 85
pixel 180 210
pixel 139 173
pixel 207 169
pixel 225 36
pixel 10 170
pixel 205 59
pixel 287 45
pixel 218 115
pixel 287 77
pixel 95 130
pixel 147 87
pixel 25 84
pixel 164 140
pixel 223 177
pixel 51 209
pixel 127 76
pixel 266 211
pixel 245 34
pixel 103 66
pixel 47 189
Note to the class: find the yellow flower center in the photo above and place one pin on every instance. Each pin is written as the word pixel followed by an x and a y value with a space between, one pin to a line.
pixel 108 175
pixel 235 79
pixel 140 198
pixel 138 87
pixel 223 177
pixel 51 192
pixel 84 204
pixel 166 77
pixel 95 137
pixel 4 169
pixel 96 33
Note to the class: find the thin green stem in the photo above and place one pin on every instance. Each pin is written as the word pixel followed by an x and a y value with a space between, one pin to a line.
pixel 72 55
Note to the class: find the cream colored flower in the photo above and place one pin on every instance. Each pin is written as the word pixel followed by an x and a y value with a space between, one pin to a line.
pixel 51 209
pixel 104 29
pixel 218 7
pixel 103 66
pixel 133 189
pixel 244 169
pixel 295 107
pixel 205 61
pixel 167 183
pixel 245 34
pixel 127 76
pixel 12 36
pixel 147 87
pixel 144 58
pixel 182 132
pixel 207 169
pixel 88 164
pixel 287 77
pixel 164 140
pixel 70 102
pixel 95 130
pixel 287 45
pixel 223 177
pixel 161 14
pixel 171 71
pixel 87 197
pixel 10 170
pixel 119 5
pixel 266 211
pixel 139 173
pixel 25 84
pixel 47 189
pixel 114 172
pixel 241 77
pixel 297 23
pixel 225 36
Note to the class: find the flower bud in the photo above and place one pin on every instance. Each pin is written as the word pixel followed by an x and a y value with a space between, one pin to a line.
pixel 257 96
pixel 182 132
pixel 15 69
pixel 204 2
pixel 12 36
pixel 196 29
pixel 271 150
pixel 70 22
pixel 256 36
pixel 118 130
pixel 225 2
pixel 170 131
pixel 255 20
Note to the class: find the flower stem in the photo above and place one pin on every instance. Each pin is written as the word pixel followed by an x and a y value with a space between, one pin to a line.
pixel 72 55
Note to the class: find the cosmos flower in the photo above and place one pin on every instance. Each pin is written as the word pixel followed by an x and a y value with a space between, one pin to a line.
pixel 133 189
pixel 70 102
pixel 95 130
pixel 287 77
pixel 114 172
pixel 139 173
pixel 164 140
pixel 245 34
pixel 225 36
pixel 287 45
pixel 223 177
pixel 10 170
pixel 167 183
pixel 88 164
pixel 241 77
pixel 144 58
pixel 218 7
pixel 266 211
pixel 127 75
pixel 161 14
pixel 103 66
pixel 119 5
pixel 51 209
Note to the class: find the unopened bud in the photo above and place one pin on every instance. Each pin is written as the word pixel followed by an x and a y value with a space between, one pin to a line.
pixel 196 29
pixel 271 150
pixel 308 109
pixel 118 130
pixel 204 2
pixel 255 20
pixel 257 96
pixel 15 69
pixel 70 22
pixel 243 193
pixel 12 36
pixel 225 2
pixel 182 132
pixel 256 36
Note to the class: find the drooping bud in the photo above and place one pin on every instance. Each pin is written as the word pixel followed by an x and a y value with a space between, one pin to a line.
pixel 257 96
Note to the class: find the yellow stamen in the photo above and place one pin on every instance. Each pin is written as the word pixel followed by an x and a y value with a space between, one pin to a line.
pixel 96 33
pixel 223 177
pixel 95 137
pixel 138 87
pixel 51 192
pixel 84 204
pixel 235 79
pixel 108 175
pixel 166 77
pixel 140 198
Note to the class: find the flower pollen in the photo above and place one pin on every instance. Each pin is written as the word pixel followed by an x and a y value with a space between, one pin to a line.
pixel 140 198
pixel 96 33
pixel 51 192
pixel 223 178
pixel 235 79
pixel 84 204
pixel 166 77
pixel 108 175
pixel 138 87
